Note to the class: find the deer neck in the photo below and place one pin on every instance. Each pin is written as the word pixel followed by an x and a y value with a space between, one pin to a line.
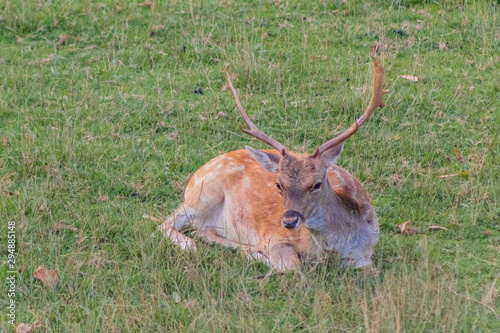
pixel 329 219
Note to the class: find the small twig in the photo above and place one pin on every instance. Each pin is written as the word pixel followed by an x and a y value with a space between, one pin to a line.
pixel 486 261
pixel 152 218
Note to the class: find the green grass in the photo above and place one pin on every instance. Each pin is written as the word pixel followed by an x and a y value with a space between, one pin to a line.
pixel 104 128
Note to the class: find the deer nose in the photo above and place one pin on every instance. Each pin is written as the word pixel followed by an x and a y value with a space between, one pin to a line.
pixel 291 219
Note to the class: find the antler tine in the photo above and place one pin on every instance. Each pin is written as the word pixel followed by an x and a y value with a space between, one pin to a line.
pixel 375 102
pixel 252 129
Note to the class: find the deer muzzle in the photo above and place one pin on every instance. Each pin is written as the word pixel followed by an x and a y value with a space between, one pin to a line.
pixel 291 219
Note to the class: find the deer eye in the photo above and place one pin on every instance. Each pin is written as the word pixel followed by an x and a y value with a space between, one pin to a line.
pixel 278 186
pixel 316 186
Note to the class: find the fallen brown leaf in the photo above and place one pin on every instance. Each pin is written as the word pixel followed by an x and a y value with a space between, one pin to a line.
pixel 147 4
pixel 103 198
pixel 442 46
pixel 286 24
pixel 173 135
pixel 62 39
pixel 157 27
pixel 396 180
pixel 190 304
pixel 458 155
pixel 405 230
pixel 43 206
pixel 494 248
pixel 60 226
pixel 220 115
pixel 26 328
pixel 26 157
pixel 410 78
pixel 97 260
pixel 118 157
pixel 409 231
pixel 437 227
pixel 47 277
pixel 47 60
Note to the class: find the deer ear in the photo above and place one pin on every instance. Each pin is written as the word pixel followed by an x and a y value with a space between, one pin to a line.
pixel 329 157
pixel 269 161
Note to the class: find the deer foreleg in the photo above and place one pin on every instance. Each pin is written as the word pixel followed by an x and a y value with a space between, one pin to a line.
pixel 171 226
pixel 283 257
pixel 356 248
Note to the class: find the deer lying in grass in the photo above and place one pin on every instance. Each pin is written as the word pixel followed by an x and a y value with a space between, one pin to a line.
pixel 259 200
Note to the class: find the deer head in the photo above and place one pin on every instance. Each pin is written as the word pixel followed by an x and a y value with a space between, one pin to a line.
pixel 302 178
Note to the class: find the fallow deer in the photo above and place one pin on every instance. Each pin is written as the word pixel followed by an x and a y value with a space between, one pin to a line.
pixel 279 206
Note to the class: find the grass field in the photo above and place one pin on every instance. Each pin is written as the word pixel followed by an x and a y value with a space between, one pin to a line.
pixel 103 125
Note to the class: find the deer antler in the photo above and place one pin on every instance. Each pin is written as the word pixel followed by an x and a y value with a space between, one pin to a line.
pixel 375 102
pixel 252 129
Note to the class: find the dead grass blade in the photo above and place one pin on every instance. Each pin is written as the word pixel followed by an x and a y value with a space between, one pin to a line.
pixel 47 277
pixel 437 227
pixel 409 78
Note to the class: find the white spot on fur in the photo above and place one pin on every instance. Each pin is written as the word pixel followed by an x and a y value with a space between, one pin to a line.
pixel 235 168
pixel 339 176
pixel 214 161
